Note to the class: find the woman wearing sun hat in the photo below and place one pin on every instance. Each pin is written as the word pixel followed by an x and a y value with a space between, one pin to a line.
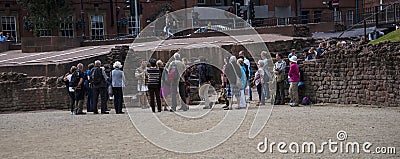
pixel 117 82
pixel 294 75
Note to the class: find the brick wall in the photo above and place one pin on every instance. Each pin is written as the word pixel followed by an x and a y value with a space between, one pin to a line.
pixel 22 93
pixel 51 43
pixel 367 75
pixel 4 46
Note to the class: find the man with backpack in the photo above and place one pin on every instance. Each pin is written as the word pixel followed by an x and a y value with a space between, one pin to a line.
pixel 77 79
pixel 98 80
pixel 175 69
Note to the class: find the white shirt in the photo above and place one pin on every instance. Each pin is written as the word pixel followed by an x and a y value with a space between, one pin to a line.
pixel 70 89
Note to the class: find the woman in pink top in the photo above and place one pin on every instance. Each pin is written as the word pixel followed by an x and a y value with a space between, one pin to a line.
pixel 294 75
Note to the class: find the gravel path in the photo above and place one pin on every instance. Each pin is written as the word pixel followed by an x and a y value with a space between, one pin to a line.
pixel 57 134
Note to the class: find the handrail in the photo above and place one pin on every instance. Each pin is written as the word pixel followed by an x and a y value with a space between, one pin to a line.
pixel 374 13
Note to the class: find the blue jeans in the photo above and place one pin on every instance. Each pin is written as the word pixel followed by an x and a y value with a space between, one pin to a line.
pixel 89 101
pixel 250 93
pixel 265 88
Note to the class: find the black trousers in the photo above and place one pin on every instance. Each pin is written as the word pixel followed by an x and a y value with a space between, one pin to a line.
pixel 280 93
pixel 72 101
pixel 118 99
pixel 154 93
pixel 103 95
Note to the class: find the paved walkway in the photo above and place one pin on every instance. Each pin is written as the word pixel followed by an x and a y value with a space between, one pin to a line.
pixel 57 134
pixel 16 57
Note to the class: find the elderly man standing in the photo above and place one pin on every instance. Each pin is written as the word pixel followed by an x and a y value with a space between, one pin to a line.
pixel 176 68
pixel 279 71
pixel 98 79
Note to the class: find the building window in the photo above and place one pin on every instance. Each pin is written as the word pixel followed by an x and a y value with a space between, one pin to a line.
pixel 217 1
pixel 350 17
pixel 338 17
pixel 97 27
pixel 41 29
pixel 133 26
pixel 67 27
pixel 201 1
pixel 317 16
pixel 8 24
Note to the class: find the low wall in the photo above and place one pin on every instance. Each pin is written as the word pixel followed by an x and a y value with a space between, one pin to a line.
pixel 367 75
pixel 106 42
pixel 22 93
pixel 50 43
pixel 4 46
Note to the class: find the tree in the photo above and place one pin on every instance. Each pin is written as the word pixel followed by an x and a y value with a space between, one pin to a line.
pixel 45 14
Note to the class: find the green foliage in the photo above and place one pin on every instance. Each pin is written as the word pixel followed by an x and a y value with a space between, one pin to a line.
pixel 46 14
pixel 393 36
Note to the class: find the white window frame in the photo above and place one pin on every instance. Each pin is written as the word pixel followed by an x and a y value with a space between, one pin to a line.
pixel 67 28
pixel 133 26
pixel 201 1
pixel 97 26
pixel 350 17
pixel 9 23
pixel 42 32
pixel 338 17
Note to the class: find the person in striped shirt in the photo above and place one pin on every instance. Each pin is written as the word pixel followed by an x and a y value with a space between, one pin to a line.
pixel 154 84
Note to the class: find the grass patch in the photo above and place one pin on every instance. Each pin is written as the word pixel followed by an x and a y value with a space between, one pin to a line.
pixel 393 36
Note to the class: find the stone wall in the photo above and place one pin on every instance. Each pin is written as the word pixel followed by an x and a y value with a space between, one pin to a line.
pixel 367 75
pixel 22 93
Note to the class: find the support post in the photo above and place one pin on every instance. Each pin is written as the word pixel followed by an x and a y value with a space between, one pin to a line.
pixel 376 16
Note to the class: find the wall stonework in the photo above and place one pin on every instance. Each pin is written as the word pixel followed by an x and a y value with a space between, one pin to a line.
pixel 22 93
pixel 367 75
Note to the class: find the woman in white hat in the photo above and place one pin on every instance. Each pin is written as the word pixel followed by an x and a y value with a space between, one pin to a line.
pixel 294 75
pixel 117 82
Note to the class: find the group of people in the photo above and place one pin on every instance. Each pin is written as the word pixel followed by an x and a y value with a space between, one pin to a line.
pixel 158 82
pixel 95 82
pixel 7 37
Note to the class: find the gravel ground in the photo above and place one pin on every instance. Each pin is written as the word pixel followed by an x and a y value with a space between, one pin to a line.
pixel 57 134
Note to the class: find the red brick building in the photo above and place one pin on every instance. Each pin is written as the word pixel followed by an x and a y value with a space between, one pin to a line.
pixel 107 18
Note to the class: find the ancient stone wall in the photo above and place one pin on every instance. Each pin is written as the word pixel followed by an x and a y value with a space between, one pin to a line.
pixel 367 75
pixel 22 93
